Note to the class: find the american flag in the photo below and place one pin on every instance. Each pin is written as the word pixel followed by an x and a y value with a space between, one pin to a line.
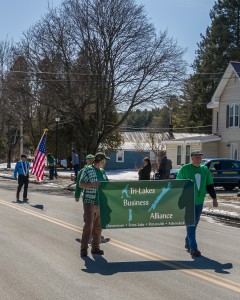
pixel 39 159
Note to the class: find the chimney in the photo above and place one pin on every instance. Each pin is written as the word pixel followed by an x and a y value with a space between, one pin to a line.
pixel 170 131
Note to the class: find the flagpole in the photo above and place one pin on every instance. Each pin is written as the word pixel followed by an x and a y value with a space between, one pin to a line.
pixel 44 131
pixel 39 158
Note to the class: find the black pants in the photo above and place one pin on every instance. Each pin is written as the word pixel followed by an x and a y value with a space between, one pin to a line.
pixel 51 173
pixel 22 180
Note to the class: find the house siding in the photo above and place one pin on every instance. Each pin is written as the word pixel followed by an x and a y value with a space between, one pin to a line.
pixel 224 150
pixel 132 160
pixel 230 95
pixel 172 152
pixel 210 150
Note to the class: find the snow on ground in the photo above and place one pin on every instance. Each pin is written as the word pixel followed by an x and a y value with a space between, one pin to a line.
pixel 122 175
pixel 228 209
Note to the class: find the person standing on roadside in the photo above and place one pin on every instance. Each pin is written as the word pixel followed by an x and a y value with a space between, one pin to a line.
pixel 145 171
pixel 89 181
pixel 75 162
pixel 203 183
pixel 22 170
pixel 165 167
pixel 51 165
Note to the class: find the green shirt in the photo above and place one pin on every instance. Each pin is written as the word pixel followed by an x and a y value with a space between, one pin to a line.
pixel 201 176
pixel 50 160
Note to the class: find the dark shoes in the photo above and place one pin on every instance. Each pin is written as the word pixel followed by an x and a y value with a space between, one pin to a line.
pixel 83 253
pixel 97 251
pixel 187 248
pixel 195 253
pixel 25 200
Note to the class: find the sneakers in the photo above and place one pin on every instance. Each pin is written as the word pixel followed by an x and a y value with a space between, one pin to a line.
pixel 97 251
pixel 83 253
pixel 25 200
pixel 195 253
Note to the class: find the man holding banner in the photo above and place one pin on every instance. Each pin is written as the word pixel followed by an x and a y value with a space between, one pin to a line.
pixel 89 182
pixel 203 182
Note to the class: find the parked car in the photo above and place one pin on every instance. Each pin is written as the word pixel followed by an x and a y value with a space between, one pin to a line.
pixel 173 174
pixel 225 172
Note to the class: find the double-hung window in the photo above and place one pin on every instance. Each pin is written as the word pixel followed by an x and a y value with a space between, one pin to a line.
pixel 233 115
pixel 179 155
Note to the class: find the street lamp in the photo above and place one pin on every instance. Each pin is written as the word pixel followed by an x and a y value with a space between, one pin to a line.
pixel 57 119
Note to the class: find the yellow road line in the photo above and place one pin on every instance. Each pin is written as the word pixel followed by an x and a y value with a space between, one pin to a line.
pixel 41 216
pixel 224 282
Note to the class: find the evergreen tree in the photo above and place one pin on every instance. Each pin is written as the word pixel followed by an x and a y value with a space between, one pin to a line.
pixel 217 48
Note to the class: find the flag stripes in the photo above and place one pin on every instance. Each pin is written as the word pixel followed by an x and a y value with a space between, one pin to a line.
pixel 39 159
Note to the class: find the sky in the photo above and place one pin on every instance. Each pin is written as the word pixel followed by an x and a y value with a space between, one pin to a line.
pixel 184 20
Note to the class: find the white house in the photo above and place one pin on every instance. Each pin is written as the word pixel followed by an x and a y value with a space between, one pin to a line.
pixel 224 142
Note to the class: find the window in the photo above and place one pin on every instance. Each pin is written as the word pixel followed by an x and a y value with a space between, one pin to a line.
pixel 179 155
pixel 233 115
pixel 187 154
pixel 120 156
pixel 234 151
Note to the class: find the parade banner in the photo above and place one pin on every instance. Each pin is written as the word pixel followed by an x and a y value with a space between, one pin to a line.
pixel 153 203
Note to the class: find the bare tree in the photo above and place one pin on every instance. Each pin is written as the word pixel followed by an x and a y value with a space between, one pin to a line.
pixel 101 58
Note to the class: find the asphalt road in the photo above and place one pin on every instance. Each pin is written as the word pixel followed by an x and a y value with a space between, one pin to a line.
pixel 39 256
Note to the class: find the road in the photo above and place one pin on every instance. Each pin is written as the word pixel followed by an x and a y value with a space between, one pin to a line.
pixel 39 256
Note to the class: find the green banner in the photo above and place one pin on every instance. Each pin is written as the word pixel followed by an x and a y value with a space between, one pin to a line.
pixel 131 204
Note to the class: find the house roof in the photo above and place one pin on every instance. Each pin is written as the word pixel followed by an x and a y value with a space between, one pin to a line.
pixel 141 140
pixel 190 138
pixel 136 140
pixel 232 68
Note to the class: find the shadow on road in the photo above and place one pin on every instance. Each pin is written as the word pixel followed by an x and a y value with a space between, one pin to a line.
pixel 38 206
pixel 100 265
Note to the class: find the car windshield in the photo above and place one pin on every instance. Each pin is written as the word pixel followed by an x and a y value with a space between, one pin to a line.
pixel 204 161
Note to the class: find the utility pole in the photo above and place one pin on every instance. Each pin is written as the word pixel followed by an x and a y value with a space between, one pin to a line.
pixel 57 119
pixel 21 137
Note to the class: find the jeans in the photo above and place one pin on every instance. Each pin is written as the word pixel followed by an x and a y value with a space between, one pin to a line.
pixel 22 180
pixel 191 230
pixel 92 226
pixel 76 169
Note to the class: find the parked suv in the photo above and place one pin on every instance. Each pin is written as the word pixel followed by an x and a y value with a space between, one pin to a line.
pixel 225 172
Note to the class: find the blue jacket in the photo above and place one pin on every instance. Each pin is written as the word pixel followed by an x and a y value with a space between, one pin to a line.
pixel 19 168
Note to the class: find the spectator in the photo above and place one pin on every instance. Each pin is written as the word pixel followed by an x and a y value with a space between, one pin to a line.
pixel 75 162
pixel 51 165
pixel 164 167
pixel 145 171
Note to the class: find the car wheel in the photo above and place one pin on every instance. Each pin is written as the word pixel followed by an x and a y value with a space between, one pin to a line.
pixel 229 188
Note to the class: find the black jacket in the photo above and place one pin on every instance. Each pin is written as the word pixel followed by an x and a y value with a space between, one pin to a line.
pixel 144 173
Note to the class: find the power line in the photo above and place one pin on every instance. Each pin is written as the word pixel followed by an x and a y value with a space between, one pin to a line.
pixel 164 128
